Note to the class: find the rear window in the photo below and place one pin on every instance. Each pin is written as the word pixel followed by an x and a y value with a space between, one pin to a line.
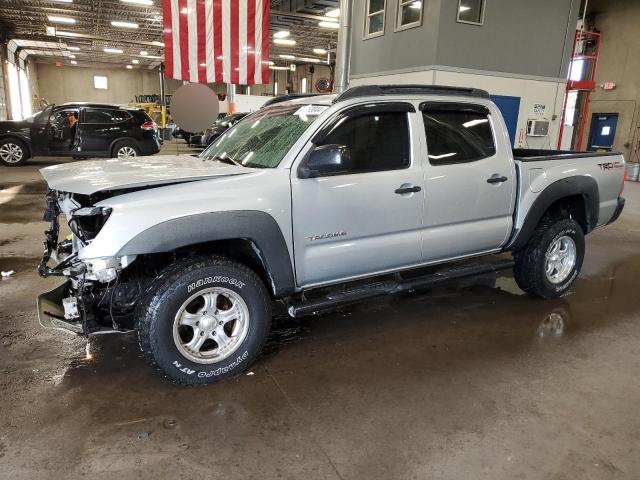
pixel 105 116
pixel 457 135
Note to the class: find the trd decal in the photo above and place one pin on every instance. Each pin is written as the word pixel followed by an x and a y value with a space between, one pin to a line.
pixel 610 165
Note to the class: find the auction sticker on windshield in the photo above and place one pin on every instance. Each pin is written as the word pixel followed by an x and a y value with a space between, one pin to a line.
pixel 311 110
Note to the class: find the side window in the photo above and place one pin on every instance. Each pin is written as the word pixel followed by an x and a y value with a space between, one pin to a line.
pixel 374 18
pixel 458 136
pixel 96 115
pixel 118 116
pixel 64 118
pixel 409 14
pixel 101 115
pixel 376 141
pixel 471 11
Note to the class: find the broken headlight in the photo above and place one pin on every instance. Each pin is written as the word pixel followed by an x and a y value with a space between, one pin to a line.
pixel 86 222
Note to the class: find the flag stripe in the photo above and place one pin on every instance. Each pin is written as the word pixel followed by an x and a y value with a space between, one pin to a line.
pixel 201 39
pixel 265 41
pixel 175 26
pixel 209 53
pixel 218 52
pixel 168 40
pixel 235 42
pixel 192 21
pixel 242 41
pixel 184 39
pixel 251 42
pixel 259 57
pixel 226 40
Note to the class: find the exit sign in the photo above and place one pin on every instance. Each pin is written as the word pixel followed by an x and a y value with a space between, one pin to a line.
pixel 608 85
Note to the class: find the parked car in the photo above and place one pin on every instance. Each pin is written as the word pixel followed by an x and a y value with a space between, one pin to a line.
pixel 316 202
pixel 79 130
pixel 219 127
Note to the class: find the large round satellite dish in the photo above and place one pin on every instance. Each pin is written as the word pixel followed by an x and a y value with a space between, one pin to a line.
pixel 194 107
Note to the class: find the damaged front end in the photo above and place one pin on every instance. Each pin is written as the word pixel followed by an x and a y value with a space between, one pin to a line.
pixel 97 296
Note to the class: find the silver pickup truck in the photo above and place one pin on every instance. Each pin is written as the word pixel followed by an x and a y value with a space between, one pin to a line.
pixel 313 203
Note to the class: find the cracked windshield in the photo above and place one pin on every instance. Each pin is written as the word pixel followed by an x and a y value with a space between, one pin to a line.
pixel 263 139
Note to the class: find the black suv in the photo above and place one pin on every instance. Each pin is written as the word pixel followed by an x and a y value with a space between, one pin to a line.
pixel 79 130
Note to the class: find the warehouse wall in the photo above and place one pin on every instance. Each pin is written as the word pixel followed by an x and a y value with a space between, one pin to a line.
pixel 619 23
pixel 66 84
pixel 518 36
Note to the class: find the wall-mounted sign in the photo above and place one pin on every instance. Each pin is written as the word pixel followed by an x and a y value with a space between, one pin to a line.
pixel 609 85
pixel 539 108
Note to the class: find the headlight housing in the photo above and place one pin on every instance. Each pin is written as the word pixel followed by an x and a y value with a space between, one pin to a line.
pixel 86 222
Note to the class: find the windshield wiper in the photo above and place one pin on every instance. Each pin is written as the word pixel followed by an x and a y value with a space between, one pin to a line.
pixel 228 160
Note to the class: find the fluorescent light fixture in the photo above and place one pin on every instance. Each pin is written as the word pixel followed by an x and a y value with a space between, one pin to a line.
pixel 265 62
pixel 287 57
pixel 275 88
pixel 129 67
pixel 135 61
pixel 464 8
pixel 25 93
pixel 310 60
pixel 319 51
pixel 73 62
pixel 72 56
pixel 121 24
pixel 144 53
pixel 139 2
pixel 203 64
pixel 112 50
pixel 63 1
pixel 60 19
pixel 416 5
pixel 303 87
pixel 60 33
pixel 275 67
pixel 155 57
pixel 75 49
pixel 335 13
pixel 50 30
pixel 281 34
pixel 157 43
pixel 284 41
pixel 325 24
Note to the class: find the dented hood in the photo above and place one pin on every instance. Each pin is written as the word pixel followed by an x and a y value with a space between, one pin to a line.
pixel 88 177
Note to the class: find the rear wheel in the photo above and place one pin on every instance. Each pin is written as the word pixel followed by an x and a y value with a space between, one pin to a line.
pixel 550 262
pixel 204 320
pixel 13 153
pixel 125 149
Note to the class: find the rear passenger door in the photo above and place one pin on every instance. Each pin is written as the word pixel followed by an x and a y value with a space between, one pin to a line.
pixel 470 180
pixel 366 220
pixel 99 127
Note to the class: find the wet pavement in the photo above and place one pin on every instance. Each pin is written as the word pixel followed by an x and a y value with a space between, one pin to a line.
pixel 467 381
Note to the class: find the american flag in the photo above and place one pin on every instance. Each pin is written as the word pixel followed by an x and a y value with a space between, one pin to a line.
pixel 208 41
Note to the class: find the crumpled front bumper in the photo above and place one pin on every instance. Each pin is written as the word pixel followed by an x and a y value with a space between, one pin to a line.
pixel 51 311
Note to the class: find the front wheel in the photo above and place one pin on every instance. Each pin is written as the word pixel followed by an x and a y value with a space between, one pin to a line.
pixel 13 153
pixel 204 320
pixel 550 262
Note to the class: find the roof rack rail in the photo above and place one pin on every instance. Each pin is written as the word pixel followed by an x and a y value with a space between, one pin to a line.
pixel 373 90
pixel 287 97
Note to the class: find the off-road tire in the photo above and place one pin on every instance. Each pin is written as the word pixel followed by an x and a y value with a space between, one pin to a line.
pixel 163 298
pixel 22 146
pixel 529 271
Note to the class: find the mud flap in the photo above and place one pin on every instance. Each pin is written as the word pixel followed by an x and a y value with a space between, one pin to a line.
pixel 51 310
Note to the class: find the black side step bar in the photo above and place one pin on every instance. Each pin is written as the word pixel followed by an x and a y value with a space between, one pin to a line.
pixel 301 307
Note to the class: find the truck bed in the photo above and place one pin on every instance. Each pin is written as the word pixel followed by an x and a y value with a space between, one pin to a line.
pixel 533 155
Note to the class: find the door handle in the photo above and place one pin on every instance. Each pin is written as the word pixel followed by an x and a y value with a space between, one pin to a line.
pixel 405 190
pixel 497 178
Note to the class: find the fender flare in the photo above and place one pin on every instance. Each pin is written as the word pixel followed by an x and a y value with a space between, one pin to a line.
pixel 259 228
pixel 584 186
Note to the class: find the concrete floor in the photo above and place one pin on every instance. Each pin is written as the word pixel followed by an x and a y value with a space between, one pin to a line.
pixel 465 382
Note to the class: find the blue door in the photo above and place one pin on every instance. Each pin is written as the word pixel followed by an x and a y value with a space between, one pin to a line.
pixel 603 131
pixel 510 108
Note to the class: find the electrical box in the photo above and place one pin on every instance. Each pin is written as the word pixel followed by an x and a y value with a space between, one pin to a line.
pixel 537 128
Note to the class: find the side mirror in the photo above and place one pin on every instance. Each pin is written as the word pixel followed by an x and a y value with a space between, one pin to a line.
pixel 326 160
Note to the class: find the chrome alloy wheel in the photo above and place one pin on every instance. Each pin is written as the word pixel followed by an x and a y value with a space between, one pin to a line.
pixel 211 325
pixel 126 152
pixel 560 259
pixel 11 153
